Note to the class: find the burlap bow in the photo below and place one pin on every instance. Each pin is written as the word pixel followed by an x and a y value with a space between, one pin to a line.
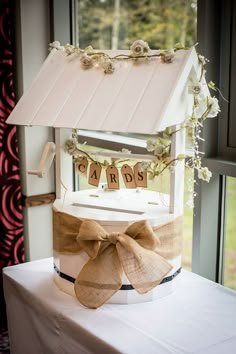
pixel 110 255
pixel 134 252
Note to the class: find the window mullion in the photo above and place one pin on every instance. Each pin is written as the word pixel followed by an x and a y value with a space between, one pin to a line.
pixel 61 26
pixel 206 228
pixel 222 228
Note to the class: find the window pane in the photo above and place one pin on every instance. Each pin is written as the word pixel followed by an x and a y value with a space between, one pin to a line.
pixel 118 23
pixel 230 242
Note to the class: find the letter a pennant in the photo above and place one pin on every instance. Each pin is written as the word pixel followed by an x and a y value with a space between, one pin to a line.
pixel 94 174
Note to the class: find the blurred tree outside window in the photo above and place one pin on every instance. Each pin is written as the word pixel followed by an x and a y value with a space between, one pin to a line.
pixel 116 24
pixel 230 239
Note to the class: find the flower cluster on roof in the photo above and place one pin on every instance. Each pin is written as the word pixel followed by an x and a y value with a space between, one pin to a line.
pixel 93 58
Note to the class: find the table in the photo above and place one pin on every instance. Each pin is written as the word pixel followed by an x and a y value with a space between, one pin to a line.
pixel 199 317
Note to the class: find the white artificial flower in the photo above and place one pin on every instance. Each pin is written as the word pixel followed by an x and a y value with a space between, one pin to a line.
pixel 150 145
pixel 70 145
pixel 86 61
pixel 55 45
pixel 203 60
pixel 167 55
pixel 143 166
pixel 204 174
pixel 139 48
pixel 195 88
pixel 211 104
pixel 191 122
pixel 125 151
pixel 69 49
pixel 214 106
pixel 159 150
pixel 108 67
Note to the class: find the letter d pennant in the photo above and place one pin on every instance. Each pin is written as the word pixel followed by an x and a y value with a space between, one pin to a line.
pixel 128 176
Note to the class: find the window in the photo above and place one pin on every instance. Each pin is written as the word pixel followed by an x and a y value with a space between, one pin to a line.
pixel 216 21
pixel 115 24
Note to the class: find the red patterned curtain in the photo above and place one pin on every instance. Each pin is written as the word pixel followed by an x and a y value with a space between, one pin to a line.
pixel 11 226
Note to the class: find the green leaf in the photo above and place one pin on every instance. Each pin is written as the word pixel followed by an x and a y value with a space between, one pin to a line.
pixel 212 85
pixel 179 46
pixel 89 49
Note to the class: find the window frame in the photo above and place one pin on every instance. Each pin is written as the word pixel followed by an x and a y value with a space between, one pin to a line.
pixel 215 20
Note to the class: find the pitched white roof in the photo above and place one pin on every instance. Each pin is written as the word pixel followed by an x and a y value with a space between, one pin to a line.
pixel 136 98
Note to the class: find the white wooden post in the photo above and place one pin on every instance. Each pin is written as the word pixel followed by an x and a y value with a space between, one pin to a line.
pixel 177 176
pixel 64 171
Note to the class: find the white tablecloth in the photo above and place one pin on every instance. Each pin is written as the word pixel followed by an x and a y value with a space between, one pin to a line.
pixel 199 317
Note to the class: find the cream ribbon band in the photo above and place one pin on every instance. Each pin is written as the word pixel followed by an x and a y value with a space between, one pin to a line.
pixel 134 252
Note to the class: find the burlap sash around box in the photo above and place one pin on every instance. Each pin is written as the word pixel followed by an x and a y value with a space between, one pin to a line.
pixel 141 252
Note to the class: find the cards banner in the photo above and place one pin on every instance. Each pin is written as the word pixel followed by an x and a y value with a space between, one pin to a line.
pixel 132 177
